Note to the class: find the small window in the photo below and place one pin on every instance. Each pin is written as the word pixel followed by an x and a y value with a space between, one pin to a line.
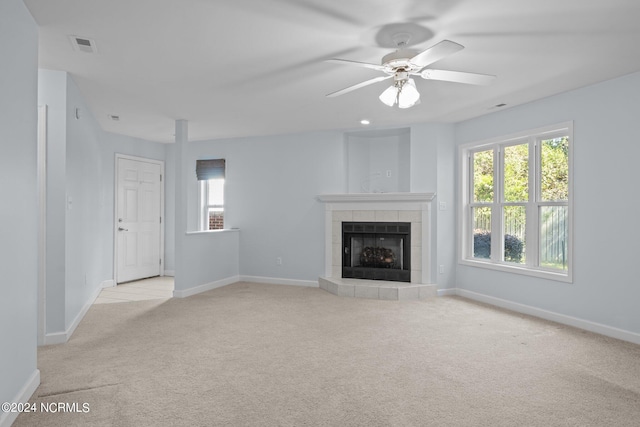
pixel 211 177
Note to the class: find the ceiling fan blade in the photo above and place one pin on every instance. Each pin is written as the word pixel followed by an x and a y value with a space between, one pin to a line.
pixel 457 77
pixel 358 86
pixel 356 63
pixel 436 53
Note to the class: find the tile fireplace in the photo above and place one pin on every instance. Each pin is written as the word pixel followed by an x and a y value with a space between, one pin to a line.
pixel 412 210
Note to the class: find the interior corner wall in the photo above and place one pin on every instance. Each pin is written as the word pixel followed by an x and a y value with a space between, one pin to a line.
pixel 378 161
pixel 85 260
pixel 606 152
pixel 270 195
pixel 80 200
pixel 52 92
pixel 18 214
pixel 169 210
pixel 75 262
pixel 432 171
pixel 271 188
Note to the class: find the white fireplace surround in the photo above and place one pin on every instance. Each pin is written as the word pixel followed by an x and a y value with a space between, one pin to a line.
pixel 380 207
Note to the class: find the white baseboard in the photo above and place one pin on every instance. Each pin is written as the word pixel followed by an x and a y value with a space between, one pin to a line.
pixel 23 396
pixel 55 338
pixel 170 273
pixel 276 281
pixel 446 292
pixel 183 293
pixel 63 337
pixel 108 284
pixel 587 325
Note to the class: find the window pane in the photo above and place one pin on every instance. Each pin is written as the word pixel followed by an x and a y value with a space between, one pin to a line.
pixel 516 173
pixel 515 220
pixel 482 232
pixel 554 236
pixel 216 218
pixel 554 169
pixel 483 176
pixel 216 192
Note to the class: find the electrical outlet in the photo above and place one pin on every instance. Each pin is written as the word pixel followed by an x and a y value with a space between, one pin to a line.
pixel 441 269
pixel 279 260
pixel 443 206
pixel 389 173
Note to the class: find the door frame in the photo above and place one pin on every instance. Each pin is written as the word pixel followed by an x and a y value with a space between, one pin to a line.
pixel 119 156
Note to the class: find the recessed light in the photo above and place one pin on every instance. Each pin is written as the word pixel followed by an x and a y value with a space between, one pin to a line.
pixel 365 122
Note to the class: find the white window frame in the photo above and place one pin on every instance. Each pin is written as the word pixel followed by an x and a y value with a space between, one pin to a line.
pixel 465 224
pixel 204 206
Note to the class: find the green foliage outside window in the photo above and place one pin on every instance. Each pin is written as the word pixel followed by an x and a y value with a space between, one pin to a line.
pixel 483 176
pixel 516 173
pixel 513 247
pixel 554 178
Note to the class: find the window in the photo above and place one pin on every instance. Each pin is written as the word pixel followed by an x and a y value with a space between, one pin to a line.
pixel 211 177
pixel 516 207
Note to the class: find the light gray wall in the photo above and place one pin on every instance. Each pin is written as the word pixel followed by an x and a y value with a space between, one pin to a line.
pixel 18 214
pixel 80 199
pixel 606 153
pixel 203 258
pixel 403 174
pixel 445 216
pixel 270 191
pixel 52 92
pixel 359 177
pixel 371 154
pixel 77 262
pixel 272 183
pixel 432 171
pixel 169 209
pixel 209 257
pixel 85 256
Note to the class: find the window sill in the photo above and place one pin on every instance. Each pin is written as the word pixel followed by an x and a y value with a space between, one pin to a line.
pixel 523 270
pixel 224 230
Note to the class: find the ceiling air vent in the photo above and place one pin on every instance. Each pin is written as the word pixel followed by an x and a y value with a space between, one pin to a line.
pixel 83 44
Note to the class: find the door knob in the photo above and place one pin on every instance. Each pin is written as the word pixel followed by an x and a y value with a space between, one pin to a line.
pixel 122 229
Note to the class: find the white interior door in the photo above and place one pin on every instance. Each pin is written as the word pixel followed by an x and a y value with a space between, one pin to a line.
pixel 138 219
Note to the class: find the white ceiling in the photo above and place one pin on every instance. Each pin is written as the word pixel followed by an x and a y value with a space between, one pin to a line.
pixel 255 67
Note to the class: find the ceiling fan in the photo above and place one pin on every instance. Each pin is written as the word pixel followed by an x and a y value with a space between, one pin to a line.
pixel 404 63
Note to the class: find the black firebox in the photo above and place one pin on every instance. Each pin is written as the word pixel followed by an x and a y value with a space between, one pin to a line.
pixel 376 250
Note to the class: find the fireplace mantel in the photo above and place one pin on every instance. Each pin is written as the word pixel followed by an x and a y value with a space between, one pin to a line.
pixel 376 197
pixel 380 207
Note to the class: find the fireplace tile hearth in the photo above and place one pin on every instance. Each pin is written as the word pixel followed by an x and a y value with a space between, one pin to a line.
pixel 377 289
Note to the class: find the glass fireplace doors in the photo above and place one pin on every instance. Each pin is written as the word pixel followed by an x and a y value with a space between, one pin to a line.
pixel 376 250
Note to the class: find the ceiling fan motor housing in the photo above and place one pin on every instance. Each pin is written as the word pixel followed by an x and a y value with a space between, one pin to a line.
pixel 400 60
pixel 400 76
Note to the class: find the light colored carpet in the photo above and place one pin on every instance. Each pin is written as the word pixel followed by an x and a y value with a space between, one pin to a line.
pixel 268 355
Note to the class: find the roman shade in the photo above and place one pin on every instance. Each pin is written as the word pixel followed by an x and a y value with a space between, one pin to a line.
pixel 210 169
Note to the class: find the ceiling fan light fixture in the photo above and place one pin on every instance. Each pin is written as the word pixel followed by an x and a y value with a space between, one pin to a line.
pixel 403 63
pixel 389 96
pixel 408 95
